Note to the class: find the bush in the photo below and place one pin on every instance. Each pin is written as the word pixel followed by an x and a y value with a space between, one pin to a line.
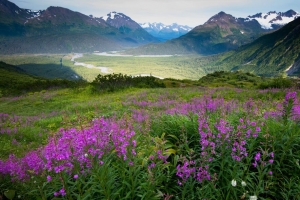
pixel 112 82
pixel 279 83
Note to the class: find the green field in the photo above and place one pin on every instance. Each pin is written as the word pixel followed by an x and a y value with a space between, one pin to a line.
pixel 179 67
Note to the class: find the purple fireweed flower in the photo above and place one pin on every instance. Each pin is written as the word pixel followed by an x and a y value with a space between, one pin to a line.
pixel 254 135
pixel 271 161
pixel 70 146
pixel 185 171
pixel 179 182
pixel 254 164
pixel 152 165
pixel 253 123
pixel 133 152
pixel 257 156
pixel 134 143
pixel 257 129
pixel 202 174
pixel 49 178
pixel 75 176
pixel 62 192
pixel 151 157
pixel 270 173
pixel 290 95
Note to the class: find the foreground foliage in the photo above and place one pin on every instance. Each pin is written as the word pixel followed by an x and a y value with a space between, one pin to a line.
pixel 191 143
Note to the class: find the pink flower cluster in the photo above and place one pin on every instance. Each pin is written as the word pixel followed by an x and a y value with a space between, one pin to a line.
pixel 74 147
pixel 231 138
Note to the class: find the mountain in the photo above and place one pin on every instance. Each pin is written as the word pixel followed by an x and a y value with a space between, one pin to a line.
pixel 277 53
pixel 128 27
pixel 165 32
pixel 274 20
pixel 221 33
pixel 60 30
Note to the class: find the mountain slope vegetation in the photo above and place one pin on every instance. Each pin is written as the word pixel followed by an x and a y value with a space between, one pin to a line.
pixel 273 54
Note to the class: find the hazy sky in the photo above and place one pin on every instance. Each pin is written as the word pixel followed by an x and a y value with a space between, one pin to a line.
pixel 185 12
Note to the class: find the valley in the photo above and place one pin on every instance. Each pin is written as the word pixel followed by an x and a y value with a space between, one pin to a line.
pixel 48 66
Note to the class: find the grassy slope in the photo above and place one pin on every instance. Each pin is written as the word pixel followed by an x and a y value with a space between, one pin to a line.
pixel 70 108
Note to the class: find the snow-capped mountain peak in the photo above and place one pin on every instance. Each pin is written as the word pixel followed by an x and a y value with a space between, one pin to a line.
pixel 121 21
pixel 165 32
pixel 114 15
pixel 273 19
pixel 160 26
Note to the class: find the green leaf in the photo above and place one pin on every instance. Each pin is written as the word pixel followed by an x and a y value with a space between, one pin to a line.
pixel 171 151
pixel 10 194
pixel 173 136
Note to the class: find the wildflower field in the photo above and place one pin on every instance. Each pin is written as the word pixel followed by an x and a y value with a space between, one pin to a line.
pixel 166 143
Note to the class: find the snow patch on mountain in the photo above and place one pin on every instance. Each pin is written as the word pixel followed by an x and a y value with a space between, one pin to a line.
pixel 113 15
pixel 145 25
pixel 271 19
pixel 33 14
pixel 160 26
pixel 165 32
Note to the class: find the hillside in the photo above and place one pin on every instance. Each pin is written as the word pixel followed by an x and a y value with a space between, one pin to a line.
pixel 60 30
pixel 273 54
pixel 10 74
pixel 15 81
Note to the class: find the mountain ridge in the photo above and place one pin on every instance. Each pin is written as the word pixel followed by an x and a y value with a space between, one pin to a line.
pixel 220 33
pixel 60 30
